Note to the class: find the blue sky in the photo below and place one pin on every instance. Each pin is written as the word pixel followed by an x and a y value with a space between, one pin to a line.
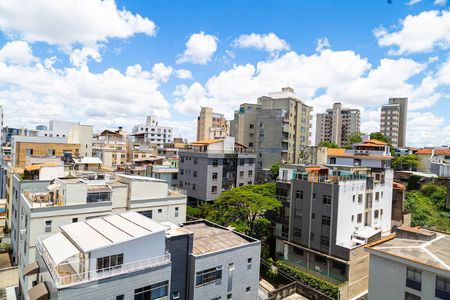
pixel 112 63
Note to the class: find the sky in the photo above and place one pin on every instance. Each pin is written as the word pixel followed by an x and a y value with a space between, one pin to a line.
pixel 112 63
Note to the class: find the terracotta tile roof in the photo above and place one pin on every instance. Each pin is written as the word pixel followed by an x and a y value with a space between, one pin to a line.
pixel 335 151
pixel 424 151
pixel 442 151
pixel 373 142
pixel 398 186
pixel 205 142
pixel 39 166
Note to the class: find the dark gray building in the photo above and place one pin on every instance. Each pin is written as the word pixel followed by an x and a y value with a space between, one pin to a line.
pixel 213 166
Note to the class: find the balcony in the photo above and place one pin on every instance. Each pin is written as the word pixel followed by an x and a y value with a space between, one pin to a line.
pixel 67 272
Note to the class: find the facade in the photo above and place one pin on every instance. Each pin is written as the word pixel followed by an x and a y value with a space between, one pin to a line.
pixel 111 148
pixel 440 162
pixel 128 256
pixel 337 124
pixel 9 132
pixel 277 128
pixel 40 207
pixel 393 121
pixel 213 166
pixel 151 132
pixel 57 128
pixel 399 216
pixel 211 125
pixel 24 147
pixel 412 265
pixel 81 135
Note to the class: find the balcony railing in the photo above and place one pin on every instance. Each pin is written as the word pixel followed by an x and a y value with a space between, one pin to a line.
pixel 67 278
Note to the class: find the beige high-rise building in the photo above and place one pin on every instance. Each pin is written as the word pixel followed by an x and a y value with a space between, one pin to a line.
pixel 211 125
pixel 393 121
pixel 277 128
pixel 336 124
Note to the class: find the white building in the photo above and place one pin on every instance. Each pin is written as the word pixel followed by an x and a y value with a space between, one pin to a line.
pixel 111 148
pixel 40 207
pixel 413 265
pixel 82 135
pixel 152 132
pixel 58 128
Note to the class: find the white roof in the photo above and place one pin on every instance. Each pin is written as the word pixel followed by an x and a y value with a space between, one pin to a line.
pixel 88 160
pixel 106 231
pixel 59 247
pixel 135 177
pixel 366 232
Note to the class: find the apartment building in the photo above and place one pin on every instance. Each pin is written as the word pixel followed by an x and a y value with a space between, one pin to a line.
pixel 111 148
pixel 151 132
pixel 278 128
pixel 9 132
pixel 39 207
pixel 393 121
pixel 211 125
pixel 24 147
pixel 128 256
pixel 212 166
pixel 81 135
pixel 337 124
pixel 414 264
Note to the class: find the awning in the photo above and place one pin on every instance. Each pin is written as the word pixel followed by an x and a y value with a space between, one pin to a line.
pixel 31 269
pixel 39 292
pixel 59 248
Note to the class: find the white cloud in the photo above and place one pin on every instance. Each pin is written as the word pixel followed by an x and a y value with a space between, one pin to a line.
pixel 418 33
pixel 183 74
pixel 412 2
pixel 199 49
pixel 161 72
pixel 268 42
pixel 17 52
pixel 80 57
pixel 427 129
pixel 71 21
pixel 322 44
pixel 440 2
pixel 443 74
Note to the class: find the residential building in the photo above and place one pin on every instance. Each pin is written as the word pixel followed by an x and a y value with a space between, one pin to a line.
pixel 39 207
pixel 393 121
pixel 399 217
pixel 414 264
pixel 151 132
pixel 24 147
pixel 337 124
pixel 424 156
pixel 111 148
pixel 9 132
pixel 1 124
pixel 212 166
pixel 81 135
pixel 167 171
pixel 440 162
pixel 128 256
pixel 87 164
pixel 329 213
pixel 277 128
pixel 57 128
pixel 211 125
pixel 314 155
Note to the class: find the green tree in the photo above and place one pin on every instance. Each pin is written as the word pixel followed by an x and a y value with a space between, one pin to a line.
pixel 274 171
pixel 328 144
pixel 200 211
pixel 244 208
pixel 379 136
pixel 353 138
pixel 405 162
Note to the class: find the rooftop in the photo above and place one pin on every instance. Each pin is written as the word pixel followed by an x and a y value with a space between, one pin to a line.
pixel 209 238
pixel 433 253
pixel 87 160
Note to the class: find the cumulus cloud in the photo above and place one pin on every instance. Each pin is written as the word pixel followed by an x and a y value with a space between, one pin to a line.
pixel 322 44
pixel 70 22
pixel 199 49
pixel 268 42
pixel 440 2
pixel 80 57
pixel 183 74
pixel 419 33
pixel 161 72
pixel 427 129
pixel 17 52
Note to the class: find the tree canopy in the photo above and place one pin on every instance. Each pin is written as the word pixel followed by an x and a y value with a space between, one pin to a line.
pixel 328 144
pixel 274 171
pixel 353 138
pixel 428 207
pixel 405 162
pixel 379 136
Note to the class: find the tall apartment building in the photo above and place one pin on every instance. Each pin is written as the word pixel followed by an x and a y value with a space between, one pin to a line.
pixel 278 128
pixel 211 125
pixel 152 132
pixel 111 148
pixel 128 256
pixel 40 207
pixel 81 135
pixel 414 264
pixel 336 124
pixel 329 213
pixel 212 166
pixel 393 121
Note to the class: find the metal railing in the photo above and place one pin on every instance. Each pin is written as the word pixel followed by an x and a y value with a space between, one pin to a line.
pixel 82 277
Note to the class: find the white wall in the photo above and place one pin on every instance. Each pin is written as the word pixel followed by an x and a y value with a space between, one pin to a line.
pixel 82 134
pixel 49 173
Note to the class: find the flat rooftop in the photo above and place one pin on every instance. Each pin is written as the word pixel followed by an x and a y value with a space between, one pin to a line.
pixel 105 231
pixel 209 238
pixel 434 253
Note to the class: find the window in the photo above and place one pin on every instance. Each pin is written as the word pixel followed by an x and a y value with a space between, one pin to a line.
pixel 109 262
pixel 250 173
pixel 176 295
pixel 298 233
pixel 51 152
pixel 299 194
pixel 314 196
pixel 359 218
pixel 414 278
pixel 353 218
pixel 326 220
pixel 247 289
pixel 177 212
pixel 409 296
pixel 251 126
pixel 320 259
pixel 195 161
pixel 327 199
pixel 442 288
pixel 147 213
pixel 120 297
pixel 214 189
pixel 360 198
pixel 181 171
pixel 154 291
pixel 298 251
pixel 313 216
pixel 229 296
pixel 195 173
pixel 377 196
pixel 215 162
pixel 194 187
pixel 376 214
pixel 339 266
pixel 159 210
pixel 48 226
pixel 28 152
pixel 249 263
pixel 214 176
pixel 250 144
pixel 241 161
pixel 74 220
pixel 311 236
pixel 354 198
pixel 208 276
pixel 182 159
pixel 324 241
